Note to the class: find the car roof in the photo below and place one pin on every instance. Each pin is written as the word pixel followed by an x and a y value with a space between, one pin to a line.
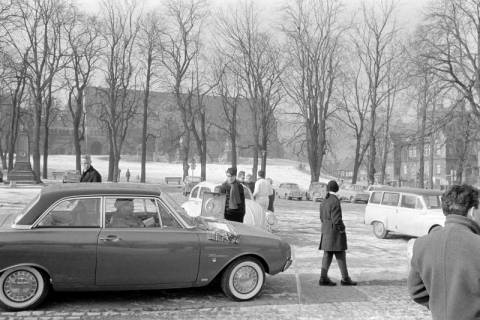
pixel 419 191
pixel 88 189
pixel 51 193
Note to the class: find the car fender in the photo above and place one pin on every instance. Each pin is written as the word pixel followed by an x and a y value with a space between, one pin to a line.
pixel 33 265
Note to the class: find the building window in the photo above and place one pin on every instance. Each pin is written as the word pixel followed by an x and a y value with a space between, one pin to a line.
pixel 439 169
pixel 427 150
pixel 412 152
pixel 438 148
pixel 405 169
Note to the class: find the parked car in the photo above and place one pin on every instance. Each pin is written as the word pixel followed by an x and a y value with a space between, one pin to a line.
pixel 189 183
pixel 289 191
pixel 254 213
pixel 317 191
pixel 353 193
pixel 68 239
pixel 71 176
pixel 410 211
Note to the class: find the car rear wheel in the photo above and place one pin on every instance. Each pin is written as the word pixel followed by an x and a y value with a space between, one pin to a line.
pixel 243 279
pixel 379 230
pixel 23 288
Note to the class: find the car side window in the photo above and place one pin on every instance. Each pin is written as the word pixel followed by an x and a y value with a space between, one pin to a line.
pixel 408 201
pixel 419 204
pixel 73 213
pixel 202 191
pixel 167 220
pixel 376 197
pixel 194 192
pixel 128 212
pixel 390 199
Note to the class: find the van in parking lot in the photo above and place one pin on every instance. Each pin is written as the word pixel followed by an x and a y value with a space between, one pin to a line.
pixel 410 211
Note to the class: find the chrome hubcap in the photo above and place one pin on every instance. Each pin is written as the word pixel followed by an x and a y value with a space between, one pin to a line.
pixel 20 286
pixel 245 279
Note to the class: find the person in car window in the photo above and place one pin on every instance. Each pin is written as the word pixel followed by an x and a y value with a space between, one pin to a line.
pixel 333 239
pixel 235 202
pixel 124 216
pixel 445 266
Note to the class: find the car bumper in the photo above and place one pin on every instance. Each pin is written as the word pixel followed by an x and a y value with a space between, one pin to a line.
pixel 287 264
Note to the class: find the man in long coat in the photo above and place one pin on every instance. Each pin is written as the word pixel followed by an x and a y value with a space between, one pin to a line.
pixel 333 239
pixel 445 267
pixel 89 173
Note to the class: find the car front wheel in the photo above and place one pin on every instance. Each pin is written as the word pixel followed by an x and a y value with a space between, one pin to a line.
pixel 379 230
pixel 243 279
pixel 22 288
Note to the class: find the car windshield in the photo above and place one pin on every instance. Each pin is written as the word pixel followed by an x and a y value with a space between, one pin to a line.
pixel 180 211
pixel 317 187
pixel 433 202
pixel 292 186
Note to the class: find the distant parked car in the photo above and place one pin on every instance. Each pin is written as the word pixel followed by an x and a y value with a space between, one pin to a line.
pixel 289 191
pixel 189 183
pixel 71 176
pixel 317 191
pixel 127 236
pixel 353 193
pixel 254 214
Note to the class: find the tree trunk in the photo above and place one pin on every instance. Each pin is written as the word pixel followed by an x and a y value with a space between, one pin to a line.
pixel 111 159
pixel 233 137
pixel 356 162
pixel 45 151
pixel 36 137
pixel 421 141
pixel 386 142
pixel 430 161
pixel 372 154
pixel 145 112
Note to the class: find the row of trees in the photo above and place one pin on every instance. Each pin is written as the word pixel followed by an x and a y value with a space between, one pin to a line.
pixel 324 68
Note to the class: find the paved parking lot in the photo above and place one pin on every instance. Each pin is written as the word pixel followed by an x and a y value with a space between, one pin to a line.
pixel 379 266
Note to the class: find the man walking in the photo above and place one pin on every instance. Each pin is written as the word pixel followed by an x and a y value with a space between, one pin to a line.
pixel 235 202
pixel 89 173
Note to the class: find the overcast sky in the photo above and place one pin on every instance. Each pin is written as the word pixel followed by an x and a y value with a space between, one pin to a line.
pixel 409 11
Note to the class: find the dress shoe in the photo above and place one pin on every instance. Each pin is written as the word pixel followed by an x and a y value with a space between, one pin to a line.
pixel 326 282
pixel 348 282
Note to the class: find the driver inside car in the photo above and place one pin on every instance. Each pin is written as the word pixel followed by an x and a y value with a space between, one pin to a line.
pixel 124 217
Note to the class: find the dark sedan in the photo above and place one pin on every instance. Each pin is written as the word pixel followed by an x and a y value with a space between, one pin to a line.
pixel 127 237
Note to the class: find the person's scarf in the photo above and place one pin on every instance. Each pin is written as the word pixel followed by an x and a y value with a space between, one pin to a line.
pixel 235 199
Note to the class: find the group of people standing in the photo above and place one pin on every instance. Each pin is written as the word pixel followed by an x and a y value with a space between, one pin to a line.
pixel 262 191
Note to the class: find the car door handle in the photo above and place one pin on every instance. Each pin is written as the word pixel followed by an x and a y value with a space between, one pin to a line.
pixel 110 238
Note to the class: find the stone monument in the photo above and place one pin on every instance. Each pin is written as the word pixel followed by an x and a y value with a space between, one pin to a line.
pixel 22 170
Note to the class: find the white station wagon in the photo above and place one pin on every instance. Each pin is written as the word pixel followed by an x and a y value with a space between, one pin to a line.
pixel 409 211
pixel 254 213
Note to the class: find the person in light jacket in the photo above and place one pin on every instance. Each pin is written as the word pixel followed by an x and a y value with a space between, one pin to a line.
pixel 445 267
pixel 333 239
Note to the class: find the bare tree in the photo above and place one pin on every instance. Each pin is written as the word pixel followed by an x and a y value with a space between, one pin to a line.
pixel 354 111
pixel 82 36
pixel 452 35
pixel 374 35
pixel 148 42
pixel 314 34
pixel 256 57
pixel 229 89
pixel 119 101
pixel 36 30
pixel 179 47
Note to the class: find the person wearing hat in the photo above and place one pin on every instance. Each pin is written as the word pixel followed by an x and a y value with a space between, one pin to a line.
pixel 235 202
pixel 89 173
pixel 333 240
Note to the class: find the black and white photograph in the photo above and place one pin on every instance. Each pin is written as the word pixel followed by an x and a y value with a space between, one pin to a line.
pixel 239 159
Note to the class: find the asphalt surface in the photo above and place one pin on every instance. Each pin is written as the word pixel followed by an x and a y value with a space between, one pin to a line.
pixel 379 265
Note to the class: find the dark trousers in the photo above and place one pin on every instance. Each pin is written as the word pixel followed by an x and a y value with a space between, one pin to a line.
pixel 341 258
pixel 234 215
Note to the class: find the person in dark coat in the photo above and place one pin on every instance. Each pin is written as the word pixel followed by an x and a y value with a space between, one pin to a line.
pixel 271 198
pixel 445 267
pixel 89 173
pixel 235 202
pixel 334 239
